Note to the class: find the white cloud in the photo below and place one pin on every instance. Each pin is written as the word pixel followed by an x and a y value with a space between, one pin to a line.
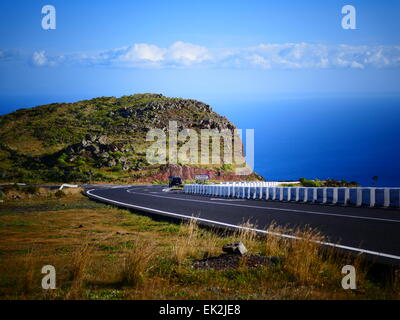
pixel 142 51
pixel 187 54
pixel 39 58
pixel 263 56
pixel 8 55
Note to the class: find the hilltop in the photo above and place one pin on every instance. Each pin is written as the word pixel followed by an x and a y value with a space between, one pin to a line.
pixel 100 140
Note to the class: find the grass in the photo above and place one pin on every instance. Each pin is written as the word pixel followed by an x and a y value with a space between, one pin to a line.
pixel 136 263
pixel 102 252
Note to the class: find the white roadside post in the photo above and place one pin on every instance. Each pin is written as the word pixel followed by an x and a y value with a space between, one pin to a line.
pixel 359 197
pixel 305 190
pixel 267 193
pixel 325 195
pixel 315 195
pixel 372 197
pixel 273 195
pixel 335 196
pixel 386 202
pixel 346 196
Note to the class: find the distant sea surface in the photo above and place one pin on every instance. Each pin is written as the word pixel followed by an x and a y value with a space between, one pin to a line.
pixel 353 139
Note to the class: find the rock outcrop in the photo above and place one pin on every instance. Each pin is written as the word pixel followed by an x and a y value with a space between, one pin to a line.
pixel 102 139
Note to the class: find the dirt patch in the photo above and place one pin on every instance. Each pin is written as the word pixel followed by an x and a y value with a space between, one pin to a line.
pixel 234 261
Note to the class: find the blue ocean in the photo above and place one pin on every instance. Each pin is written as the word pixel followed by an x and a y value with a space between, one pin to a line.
pixel 353 138
pixel 338 138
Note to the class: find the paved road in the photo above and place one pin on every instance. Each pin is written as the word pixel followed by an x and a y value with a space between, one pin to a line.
pixel 376 232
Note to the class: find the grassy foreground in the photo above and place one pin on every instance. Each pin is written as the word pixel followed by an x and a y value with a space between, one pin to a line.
pixel 102 252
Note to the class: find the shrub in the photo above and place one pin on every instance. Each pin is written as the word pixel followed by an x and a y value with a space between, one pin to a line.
pixel 60 194
pixel 117 168
pixel 310 183
pixel 16 187
pixel 3 174
pixel 31 189
pixel 227 168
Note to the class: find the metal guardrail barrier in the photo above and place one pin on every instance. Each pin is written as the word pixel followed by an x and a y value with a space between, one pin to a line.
pixel 371 196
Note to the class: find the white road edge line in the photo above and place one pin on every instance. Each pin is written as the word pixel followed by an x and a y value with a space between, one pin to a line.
pixel 268 208
pixel 375 253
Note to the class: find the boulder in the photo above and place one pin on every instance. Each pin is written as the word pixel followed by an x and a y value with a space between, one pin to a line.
pixel 235 248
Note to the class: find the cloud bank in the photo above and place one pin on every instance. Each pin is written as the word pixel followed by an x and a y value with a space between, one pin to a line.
pixel 8 55
pixel 263 56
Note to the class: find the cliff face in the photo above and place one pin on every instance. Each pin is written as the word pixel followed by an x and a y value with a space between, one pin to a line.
pixel 102 139
pixel 188 173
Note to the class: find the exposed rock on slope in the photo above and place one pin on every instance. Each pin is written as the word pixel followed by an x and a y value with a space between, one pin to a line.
pixel 102 139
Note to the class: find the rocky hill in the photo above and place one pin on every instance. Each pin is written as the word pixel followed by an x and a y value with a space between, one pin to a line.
pixel 100 140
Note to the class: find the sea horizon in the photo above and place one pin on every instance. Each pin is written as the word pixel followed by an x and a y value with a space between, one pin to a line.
pixel 315 137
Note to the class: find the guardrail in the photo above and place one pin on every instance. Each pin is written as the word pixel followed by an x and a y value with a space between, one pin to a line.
pixel 372 197
pixel 66 185
pixel 261 183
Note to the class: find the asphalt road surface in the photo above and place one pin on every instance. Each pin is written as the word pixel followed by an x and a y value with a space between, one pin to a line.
pixel 374 232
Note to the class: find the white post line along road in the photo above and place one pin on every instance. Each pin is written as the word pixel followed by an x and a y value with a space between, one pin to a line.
pixel 371 231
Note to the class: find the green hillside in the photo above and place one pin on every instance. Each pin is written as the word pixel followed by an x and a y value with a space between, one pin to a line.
pixel 102 139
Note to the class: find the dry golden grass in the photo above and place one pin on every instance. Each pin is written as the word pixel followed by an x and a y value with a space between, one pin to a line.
pixel 80 261
pixel 304 259
pixel 29 273
pixel 186 244
pixel 42 193
pixel 247 235
pixel 274 244
pixel 136 263
pixel 73 192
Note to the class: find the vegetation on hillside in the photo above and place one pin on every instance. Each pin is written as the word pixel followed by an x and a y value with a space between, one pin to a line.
pixel 102 139
pixel 327 183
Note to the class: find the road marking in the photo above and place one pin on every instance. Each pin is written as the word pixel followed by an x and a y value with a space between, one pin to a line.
pixel 227 200
pixel 375 253
pixel 269 208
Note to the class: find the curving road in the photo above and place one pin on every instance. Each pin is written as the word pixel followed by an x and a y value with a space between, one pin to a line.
pixel 374 232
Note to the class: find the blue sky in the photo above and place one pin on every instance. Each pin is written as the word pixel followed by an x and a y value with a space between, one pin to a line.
pixel 210 50
pixel 285 68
